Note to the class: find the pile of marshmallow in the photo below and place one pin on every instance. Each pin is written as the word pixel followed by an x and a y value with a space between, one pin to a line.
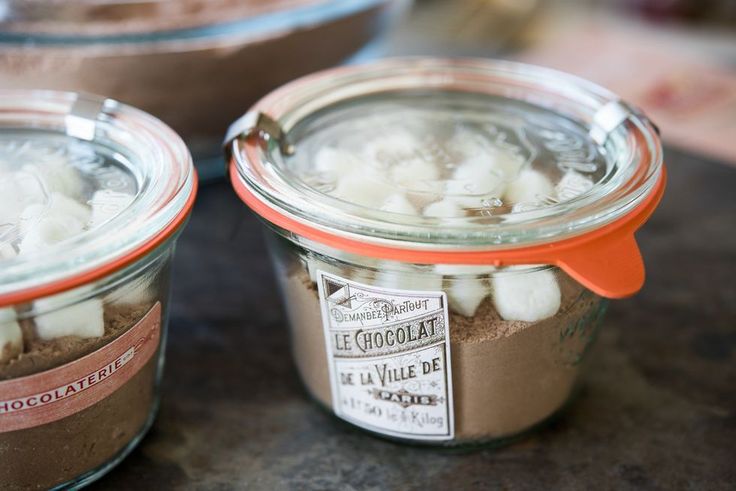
pixel 42 204
pixel 519 293
pixel 396 173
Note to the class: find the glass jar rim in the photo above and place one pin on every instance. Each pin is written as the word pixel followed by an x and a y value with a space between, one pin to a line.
pixel 566 234
pixel 159 160
pixel 258 165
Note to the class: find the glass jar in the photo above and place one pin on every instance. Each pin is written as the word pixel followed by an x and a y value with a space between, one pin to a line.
pixel 446 234
pixel 176 60
pixel 93 195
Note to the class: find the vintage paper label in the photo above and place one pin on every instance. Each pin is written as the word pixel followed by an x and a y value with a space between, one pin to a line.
pixel 49 396
pixel 389 358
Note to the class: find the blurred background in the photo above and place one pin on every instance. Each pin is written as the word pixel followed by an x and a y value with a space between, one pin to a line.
pixel 676 59
pixel 199 64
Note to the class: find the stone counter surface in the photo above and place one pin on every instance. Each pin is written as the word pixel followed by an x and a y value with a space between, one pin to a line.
pixel 657 411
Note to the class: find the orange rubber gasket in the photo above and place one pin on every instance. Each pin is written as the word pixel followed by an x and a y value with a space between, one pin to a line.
pixel 51 288
pixel 605 260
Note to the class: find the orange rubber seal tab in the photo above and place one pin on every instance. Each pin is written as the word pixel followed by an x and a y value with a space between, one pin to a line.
pixel 605 260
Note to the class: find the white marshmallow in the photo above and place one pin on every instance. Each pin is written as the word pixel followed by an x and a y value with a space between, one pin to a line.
pixel 526 296
pixel 46 225
pixel 83 319
pixel 392 147
pixel 57 176
pixel 58 205
pixel 466 294
pixel 474 181
pixel 10 209
pixel 509 164
pixel 17 191
pixel 411 171
pixel 468 144
pixel 397 203
pixel 466 289
pixel 504 163
pixel 473 147
pixel 362 190
pixel 337 162
pixel 447 208
pixel 49 231
pixel 399 280
pixel 7 251
pixel 530 187
pixel 106 204
pixel 11 336
pixel 571 185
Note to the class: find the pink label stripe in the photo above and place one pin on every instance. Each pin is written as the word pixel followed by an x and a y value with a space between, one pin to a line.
pixel 48 396
pixel 67 390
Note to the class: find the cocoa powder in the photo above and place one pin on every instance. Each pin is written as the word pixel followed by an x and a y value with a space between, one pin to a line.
pixel 507 375
pixel 54 453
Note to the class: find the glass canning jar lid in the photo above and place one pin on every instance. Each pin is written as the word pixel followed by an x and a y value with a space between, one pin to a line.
pixel 63 154
pixel 601 160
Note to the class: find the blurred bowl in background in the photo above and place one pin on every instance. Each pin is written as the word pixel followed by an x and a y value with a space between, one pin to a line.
pixel 196 64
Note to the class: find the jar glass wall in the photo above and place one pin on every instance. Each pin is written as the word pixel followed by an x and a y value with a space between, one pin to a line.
pixel 511 369
pixel 93 195
pixel 66 330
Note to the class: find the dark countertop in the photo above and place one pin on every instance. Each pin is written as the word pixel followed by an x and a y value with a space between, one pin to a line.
pixel 658 409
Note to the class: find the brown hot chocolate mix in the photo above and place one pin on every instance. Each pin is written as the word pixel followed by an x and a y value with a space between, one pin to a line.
pixel 507 375
pixel 53 453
